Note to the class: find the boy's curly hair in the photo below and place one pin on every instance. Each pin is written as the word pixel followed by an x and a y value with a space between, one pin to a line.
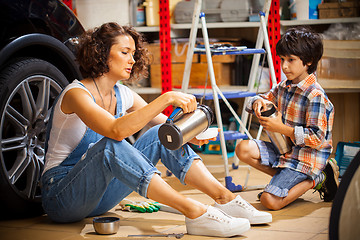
pixel 301 41
pixel 94 49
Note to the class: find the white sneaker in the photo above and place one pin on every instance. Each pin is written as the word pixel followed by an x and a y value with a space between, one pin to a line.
pixel 242 209
pixel 216 223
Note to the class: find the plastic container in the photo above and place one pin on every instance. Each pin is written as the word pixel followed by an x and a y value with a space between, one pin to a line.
pixel 304 9
pixel 234 11
pixel 140 16
pixel 216 10
pixel 345 153
pixel 137 13
pixel 152 12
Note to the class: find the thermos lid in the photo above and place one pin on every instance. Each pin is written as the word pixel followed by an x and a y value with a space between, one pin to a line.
pixel 269 112
pixel 170 136
pixel 208 112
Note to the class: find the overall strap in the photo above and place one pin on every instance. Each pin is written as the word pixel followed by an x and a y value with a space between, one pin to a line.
pixel 90 138
pixel 119 105
pixel 49 125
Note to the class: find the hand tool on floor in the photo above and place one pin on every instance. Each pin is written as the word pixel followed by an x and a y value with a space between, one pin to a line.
pixel 176 235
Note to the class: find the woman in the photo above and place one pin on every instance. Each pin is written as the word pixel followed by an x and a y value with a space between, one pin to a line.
pixel 90 167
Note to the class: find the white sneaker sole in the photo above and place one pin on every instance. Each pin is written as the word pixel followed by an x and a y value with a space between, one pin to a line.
pixel 235 232
pixel 261 220
pixel 335 168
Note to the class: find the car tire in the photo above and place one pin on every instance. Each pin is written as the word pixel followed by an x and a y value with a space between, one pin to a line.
pixel 28 88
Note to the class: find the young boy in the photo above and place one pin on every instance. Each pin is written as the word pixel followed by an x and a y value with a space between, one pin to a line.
pixel 305 116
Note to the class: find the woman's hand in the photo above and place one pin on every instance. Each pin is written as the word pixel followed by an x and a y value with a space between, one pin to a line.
pixel 201 142
pixel 186 102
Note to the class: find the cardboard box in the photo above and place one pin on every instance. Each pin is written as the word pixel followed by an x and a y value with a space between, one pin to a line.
pixel 198 74
pixel 218 58
pixel 178 53
pixel 340 61
pixel 342 48
pixel 339 69
pixel 338 10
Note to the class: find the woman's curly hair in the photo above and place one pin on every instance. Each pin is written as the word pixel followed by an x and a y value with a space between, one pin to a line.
pixel 94 49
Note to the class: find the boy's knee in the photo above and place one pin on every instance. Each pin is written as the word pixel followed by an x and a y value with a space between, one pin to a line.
pixel 242 150
pixel 270 201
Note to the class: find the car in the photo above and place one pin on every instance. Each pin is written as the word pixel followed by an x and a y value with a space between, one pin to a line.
pixel 37 60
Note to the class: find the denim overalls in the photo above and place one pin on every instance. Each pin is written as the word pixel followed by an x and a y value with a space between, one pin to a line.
pixel 100 172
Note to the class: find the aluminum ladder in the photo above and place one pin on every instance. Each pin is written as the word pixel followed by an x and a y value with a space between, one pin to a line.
pixel 243 133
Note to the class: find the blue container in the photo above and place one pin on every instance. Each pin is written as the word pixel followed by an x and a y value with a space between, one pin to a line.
pixel 304 9
pixel 345 152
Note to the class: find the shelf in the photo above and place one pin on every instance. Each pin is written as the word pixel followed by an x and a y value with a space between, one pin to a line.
pixel 283 23
pixel 231 51
pixel 339 85
pixel 217 25
pixel 150 90
pixel 329 85
pixel 227 95
pixel 319 21
pixel 148 29
pixel 146 90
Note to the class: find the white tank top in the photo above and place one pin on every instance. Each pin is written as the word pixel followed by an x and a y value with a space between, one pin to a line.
pixel 68 129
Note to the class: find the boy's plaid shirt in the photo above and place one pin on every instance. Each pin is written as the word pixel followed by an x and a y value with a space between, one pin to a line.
pixel 305 107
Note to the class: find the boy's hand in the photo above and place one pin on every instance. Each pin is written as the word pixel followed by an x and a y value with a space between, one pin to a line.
pixel 272 124
pixel 260 105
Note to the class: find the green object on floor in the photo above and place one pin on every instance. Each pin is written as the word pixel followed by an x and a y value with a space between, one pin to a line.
pixel 142 206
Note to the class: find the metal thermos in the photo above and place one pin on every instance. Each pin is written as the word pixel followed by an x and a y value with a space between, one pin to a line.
pixel 281 142
pixel 182 127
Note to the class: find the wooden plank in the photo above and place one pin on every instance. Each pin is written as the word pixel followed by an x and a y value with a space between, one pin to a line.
pixel 352 117
pixel 346 126
pixel 338 84
pixel 342 49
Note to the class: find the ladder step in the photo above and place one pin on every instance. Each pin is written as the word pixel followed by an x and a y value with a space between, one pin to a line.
pixel 228 95
pixel 232 135
pixel 223 51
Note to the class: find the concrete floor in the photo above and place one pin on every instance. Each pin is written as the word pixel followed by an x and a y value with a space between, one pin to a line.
pixel 306 218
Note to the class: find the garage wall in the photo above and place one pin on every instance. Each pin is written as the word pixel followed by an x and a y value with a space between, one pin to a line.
pixel 93 13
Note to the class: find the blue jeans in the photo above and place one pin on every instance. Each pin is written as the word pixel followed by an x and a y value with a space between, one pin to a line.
pixel 108 172
pixel 285 178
